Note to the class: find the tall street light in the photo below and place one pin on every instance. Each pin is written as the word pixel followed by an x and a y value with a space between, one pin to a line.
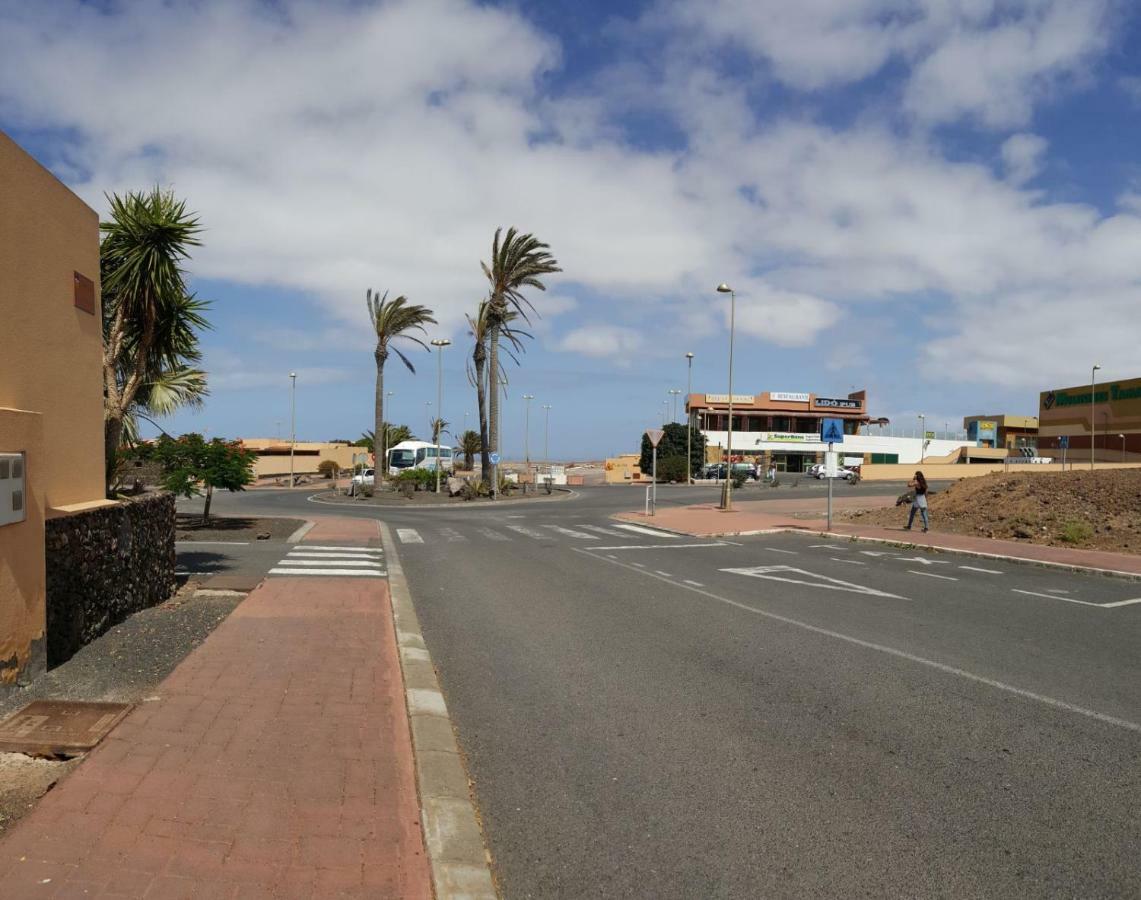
pixel 547 436
pixel 727 493
pixel 439 344
pixel 1092 413
pixel 674 394
pixel 922 438
pixel 381 462
pixel 527 398
pixel 688 420
pixel 292 421
pixel 665 411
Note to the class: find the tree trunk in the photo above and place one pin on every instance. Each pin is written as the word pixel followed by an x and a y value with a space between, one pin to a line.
pixel 493 387
pixel 479 358
pixel 379 434
pixel 112 435
pixel 206 509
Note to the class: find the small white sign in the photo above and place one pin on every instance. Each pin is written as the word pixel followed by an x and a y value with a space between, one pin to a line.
pixel 724 398
pixel 787 397
pixel 830 463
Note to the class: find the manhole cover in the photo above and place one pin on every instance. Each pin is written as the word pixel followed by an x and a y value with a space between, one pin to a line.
pixel 59 727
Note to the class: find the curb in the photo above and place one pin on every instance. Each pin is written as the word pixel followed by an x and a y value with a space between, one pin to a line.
pixel 570 495
pixel 460 865
pixel 300 533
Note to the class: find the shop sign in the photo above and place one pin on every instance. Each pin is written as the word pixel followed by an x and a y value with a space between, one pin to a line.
pixel 784 437
pixel 785 397
pixel 836 403
pixel 724 398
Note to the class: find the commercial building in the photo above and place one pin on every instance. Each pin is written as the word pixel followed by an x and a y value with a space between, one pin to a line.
pixel 1016 433
pixel 51 389
pixel 273 456
pixel 1106 418
pixel 783 428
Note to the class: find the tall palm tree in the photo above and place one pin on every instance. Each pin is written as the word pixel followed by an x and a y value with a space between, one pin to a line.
pixel 479 376
pixel 392 319
pixel 516 263
pixel 149 317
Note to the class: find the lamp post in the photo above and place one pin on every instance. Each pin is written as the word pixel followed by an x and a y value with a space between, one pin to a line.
pixel 439 344
pixel 547 435
pixel 674 394
pixel 727 492
pixel 688 420
pixel 381 462
pixel 527 398
pixel 1092 413
pixel 1122 447
pixel 922 438
pixel 665 411
pixel 292 421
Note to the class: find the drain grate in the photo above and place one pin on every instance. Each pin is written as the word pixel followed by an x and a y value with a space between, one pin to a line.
pixel 56 728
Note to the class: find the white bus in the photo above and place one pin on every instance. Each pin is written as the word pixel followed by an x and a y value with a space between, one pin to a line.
pixel 419 455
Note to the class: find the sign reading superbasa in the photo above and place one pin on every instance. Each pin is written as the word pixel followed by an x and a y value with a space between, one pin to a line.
pixel 1064 404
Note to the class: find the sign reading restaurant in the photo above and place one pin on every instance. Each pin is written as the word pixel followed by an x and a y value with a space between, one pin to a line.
pixel 786 397
pixel 834 403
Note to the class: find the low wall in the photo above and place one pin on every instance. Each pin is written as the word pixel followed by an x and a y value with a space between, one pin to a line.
pixel 103 565
pixel 944 472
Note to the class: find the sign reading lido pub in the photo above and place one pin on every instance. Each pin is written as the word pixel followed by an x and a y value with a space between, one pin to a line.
pixel 836 403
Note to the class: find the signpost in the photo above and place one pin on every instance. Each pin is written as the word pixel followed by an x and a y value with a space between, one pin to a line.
pixel 831 433
pixel 1064 443
pixel 655 435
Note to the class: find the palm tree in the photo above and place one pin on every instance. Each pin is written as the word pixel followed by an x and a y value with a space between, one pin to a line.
pixel 470 445
pixel 148 315
pixel 390 320
pixel 517 263
pixel 480 329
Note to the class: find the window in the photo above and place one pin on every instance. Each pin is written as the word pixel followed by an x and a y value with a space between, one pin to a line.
pixel 781 423
pixel 401 459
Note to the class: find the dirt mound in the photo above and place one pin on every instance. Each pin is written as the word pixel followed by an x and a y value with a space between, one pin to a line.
pixel 1096 510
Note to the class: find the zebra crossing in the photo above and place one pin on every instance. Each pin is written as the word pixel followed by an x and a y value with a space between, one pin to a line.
pixel 308 560
pixel 546 532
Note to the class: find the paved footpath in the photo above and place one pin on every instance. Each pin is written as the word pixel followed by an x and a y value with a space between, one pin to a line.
pixel 276 761
pixel 750 517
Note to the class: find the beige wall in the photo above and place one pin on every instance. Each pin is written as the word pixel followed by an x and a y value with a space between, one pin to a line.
pixel 623 469
pixel 22 575
pixel 306 457
pixel 935 472
pixel 51 353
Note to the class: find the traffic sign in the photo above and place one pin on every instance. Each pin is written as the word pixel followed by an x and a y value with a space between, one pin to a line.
pixel 655 435
pixel 1064 442
pixel 494 457
pixel 832 431
pixel 930 435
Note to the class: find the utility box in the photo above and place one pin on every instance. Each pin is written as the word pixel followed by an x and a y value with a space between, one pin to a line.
pixel 12 503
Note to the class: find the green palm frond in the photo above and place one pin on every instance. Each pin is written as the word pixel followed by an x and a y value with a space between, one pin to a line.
pixel 396 318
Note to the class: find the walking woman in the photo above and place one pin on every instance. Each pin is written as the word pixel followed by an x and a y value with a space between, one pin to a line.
pixel 919 485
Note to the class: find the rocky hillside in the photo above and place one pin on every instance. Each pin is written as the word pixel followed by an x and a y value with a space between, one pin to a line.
pixel 1097 510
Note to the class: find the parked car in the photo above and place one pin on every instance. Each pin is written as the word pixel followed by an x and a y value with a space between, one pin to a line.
pixel 816 470
pixel 365 478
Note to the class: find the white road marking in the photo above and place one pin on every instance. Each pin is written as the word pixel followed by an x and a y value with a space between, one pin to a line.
pixel 694 583
pixel 367 573
pixel 826 547
pixel 650 531
pixel 850 562
pixel 639 565
pixel 663 574
pixel 874 553
pixel 334 563
pixel 570 532
pixel 779 550
pixel 346 549
pixel 923 561
pixel 661 546
pixel 781 573
pixel 1056 591
pixel 529 532
pixel 451 535
pixel 608 556
pixel 217 543
pixel 932 575
pixel 492 534
pixel 332 554
pixel 985 571
pixel 909 657
pixel 1112 605
pixel 609 532
pixel 409 536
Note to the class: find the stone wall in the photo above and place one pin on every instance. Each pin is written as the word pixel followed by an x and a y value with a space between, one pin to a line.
pixel 103 565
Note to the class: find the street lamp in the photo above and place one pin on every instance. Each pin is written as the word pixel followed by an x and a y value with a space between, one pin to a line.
pixel 1092 413
pixel 527 398
pixel 688 419
pixel 547 435
pixel 674 394
pixel 665 411
pixel 922 438
pixel 727 495
pixel 439 344
pixel 381 462
pixel 292 421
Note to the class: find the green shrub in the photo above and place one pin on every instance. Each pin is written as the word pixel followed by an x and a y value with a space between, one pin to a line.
pixel 326 468
pixel 473 490
pixel 739 479
pixel 1076 532
pixel 419 479
pixel 672 468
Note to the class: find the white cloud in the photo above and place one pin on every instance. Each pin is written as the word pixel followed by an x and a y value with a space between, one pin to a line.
pixel 614 342
pixel 1022 157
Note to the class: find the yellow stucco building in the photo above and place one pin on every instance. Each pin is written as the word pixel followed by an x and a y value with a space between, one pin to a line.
pixel 51 387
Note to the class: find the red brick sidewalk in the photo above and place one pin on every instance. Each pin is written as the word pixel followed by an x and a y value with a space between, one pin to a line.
pixel 706 520
pixel 276 762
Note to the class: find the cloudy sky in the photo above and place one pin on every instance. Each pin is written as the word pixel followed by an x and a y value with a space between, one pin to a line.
pixel 938 200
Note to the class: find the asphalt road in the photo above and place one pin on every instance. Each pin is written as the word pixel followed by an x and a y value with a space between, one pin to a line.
pixel 654 716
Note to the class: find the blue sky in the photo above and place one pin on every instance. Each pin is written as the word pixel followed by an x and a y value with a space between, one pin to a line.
pixel 938 200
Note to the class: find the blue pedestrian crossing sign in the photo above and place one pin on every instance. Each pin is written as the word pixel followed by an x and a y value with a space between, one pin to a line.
pixel 1064 442
pixel 832 431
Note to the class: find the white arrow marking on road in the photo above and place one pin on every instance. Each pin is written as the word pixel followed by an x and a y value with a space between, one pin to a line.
pixel 781 573
pixel 409 536
pixel 985 571
pixel 926 562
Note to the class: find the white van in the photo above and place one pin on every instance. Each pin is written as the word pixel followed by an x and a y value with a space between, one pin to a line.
pixel 419 455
